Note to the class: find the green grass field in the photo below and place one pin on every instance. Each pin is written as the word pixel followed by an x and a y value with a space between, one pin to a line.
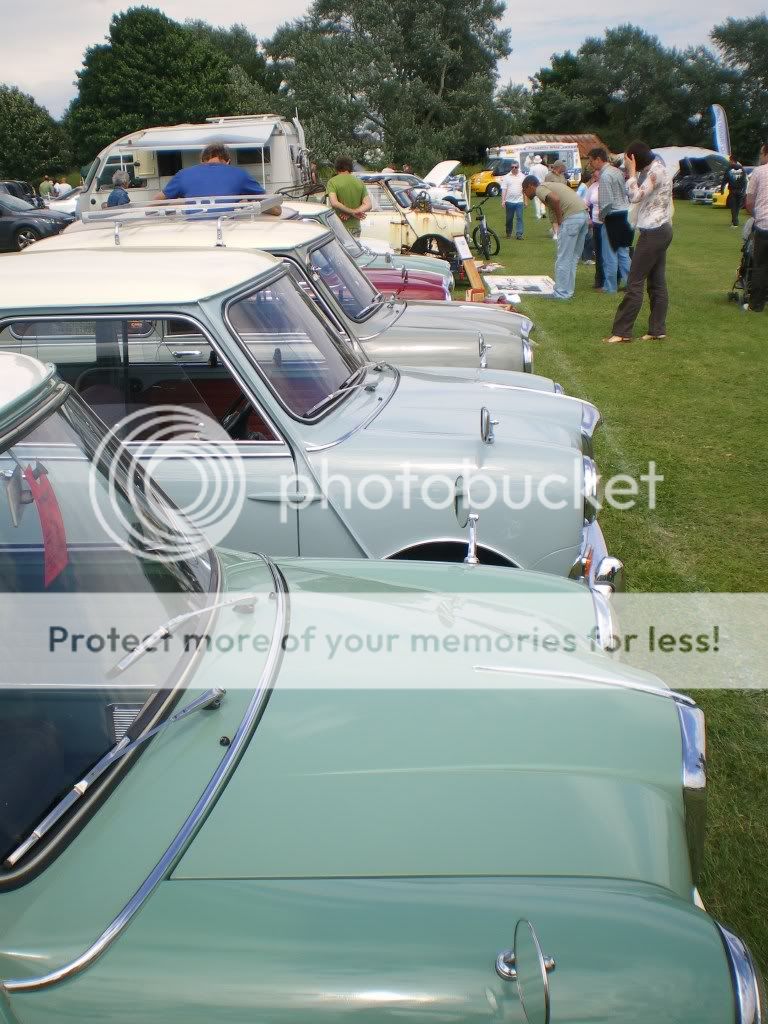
pixel 696 405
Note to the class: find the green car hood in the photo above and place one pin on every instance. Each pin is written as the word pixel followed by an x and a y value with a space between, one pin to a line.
pixel 417 760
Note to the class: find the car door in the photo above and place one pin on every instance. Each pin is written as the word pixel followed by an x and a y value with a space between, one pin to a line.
pixel 188 420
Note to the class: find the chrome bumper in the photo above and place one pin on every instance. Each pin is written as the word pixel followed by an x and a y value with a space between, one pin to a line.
pixel 594 566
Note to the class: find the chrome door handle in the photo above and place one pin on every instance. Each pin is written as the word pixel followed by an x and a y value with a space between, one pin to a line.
pixel 181 352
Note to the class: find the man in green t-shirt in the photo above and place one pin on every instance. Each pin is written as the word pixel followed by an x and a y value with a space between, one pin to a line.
pixel 348 195
pixel 45 187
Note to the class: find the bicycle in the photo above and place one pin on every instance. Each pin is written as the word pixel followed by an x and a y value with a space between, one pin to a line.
pixel 484 241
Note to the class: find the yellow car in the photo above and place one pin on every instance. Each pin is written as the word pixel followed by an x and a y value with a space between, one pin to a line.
pixel 488 181
pixel 719 198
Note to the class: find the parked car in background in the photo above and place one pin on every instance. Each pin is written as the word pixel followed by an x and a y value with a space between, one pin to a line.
pixel 67 203
pixel 408 284
pixel 22 190
pixel 235 335
pixel 409 333
pixel 439 184
pixel 401 218
pixel 382 257
pixel 21 224
pixel 202 866
pixel 703 172
pixel 271 148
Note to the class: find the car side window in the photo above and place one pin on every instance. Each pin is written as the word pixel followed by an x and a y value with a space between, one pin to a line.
pixel 123 367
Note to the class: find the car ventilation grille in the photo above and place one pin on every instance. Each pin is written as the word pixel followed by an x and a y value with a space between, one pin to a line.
pixel 121 717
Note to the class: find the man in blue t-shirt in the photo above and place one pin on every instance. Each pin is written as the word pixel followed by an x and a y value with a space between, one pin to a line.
pixel 213 176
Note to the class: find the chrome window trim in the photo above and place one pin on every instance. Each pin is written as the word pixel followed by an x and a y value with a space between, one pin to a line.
pixel 194 822
pixel 694 782
pixel 245 388
pixel 747 989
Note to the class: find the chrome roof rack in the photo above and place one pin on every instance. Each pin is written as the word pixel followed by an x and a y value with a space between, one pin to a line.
pixel 199 208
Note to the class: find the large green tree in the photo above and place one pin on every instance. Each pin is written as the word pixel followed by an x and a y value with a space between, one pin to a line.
pixel 743 45
pixel 151 71
pixel 411 81
pixel 627 85
pixel 33 144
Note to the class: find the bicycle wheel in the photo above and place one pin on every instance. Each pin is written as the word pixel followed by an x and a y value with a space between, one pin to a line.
pixel 486 242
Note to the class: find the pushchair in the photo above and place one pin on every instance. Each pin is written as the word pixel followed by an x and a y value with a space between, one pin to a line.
pixel 742 285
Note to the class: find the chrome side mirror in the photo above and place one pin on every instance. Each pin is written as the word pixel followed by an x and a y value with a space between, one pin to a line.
pixel 486 426
pixel 483 349
pixel 529 968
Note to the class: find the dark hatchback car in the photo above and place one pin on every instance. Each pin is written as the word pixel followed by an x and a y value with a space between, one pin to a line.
pixel 21 223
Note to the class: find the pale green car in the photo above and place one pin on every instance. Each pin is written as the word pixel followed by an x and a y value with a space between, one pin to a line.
pixel 192 835
pixel 407 332
pixel 372 253
pixel 339 455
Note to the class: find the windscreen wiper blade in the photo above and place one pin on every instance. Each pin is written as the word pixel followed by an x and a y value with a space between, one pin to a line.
pixel 167 628
pixel 343 390
pixel 210 699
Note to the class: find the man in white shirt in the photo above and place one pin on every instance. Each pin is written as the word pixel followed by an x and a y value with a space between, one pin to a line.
pixel 757 205
pixel 539 171
pixel 512 199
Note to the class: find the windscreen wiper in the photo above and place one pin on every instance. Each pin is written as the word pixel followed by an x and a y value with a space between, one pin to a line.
pixel 371 306
pixel 167 628
pixel 343 390
pixel 210 699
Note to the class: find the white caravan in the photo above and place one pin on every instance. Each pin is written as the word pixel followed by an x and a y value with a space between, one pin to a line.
pixel 269 147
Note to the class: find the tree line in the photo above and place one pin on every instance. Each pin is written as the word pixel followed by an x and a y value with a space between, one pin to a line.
pixel 404 80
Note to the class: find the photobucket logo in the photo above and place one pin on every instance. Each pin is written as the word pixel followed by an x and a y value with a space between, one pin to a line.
pixel 213 483
pixel 408 489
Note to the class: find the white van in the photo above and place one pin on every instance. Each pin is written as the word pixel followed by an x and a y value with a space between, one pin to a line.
pixel 271 148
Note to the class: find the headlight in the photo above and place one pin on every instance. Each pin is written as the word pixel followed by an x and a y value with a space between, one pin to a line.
pixel 694 777
pixel 591 479
pixel 527 356
pixel 747 989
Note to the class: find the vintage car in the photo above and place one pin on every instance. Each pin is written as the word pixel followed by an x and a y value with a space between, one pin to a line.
pixel 408 284
pixel 181 819
pixel 400 217
pixel 439 184
pixel 413 333
pixel 322 431
pixel 383 256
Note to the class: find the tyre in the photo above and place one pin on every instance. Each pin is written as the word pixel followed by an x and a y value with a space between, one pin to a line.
pixel 494 189
pixel 24 237
pixel 487 247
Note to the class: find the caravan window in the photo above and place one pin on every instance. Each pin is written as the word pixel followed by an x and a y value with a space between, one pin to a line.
pixel 169 162
pixel 252 155
pixel 121 162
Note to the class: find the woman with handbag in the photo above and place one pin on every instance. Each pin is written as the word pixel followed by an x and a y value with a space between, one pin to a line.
pixel 650 195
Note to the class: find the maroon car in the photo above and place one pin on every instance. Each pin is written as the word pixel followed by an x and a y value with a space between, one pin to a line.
pixel 409 284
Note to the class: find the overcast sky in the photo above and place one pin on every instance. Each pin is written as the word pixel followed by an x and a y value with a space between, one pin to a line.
pixel 43 43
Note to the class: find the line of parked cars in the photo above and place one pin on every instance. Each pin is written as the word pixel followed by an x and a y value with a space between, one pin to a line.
pixel 485 833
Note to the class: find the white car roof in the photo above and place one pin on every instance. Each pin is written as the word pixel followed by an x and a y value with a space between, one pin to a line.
pixel 257 234
pixel 20 375
pixel 306 209
pixel 41 277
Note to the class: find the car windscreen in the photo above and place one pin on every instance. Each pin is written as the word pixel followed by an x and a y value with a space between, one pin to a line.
pixel 347 239
pixel 291 345
pixel 76 600
pixel 349 285
pixel 12 204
